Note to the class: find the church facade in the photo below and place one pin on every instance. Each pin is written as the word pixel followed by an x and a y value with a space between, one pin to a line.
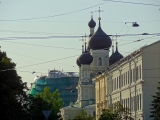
pixel 93 61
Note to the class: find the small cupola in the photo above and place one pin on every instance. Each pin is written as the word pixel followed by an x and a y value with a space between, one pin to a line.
pixel 115 56
pixel 85 58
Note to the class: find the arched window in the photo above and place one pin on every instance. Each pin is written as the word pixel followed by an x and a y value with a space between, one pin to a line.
pixel 100 61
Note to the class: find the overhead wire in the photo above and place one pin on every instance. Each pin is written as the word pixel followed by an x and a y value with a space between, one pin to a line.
pixel 40 63
pixel 29 32
pixel 135 3
pixel 58 14
pixel 46 62
pixel 40 45
pixel 51 37
pixel 36 58
pixel 125 33
pixel 137 40
pixel 34 18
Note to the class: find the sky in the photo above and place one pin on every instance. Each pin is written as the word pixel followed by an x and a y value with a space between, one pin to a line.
pixel 28 29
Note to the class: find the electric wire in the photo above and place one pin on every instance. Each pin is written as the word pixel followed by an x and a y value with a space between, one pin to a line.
pixel 135 3
pixel 40 45
pixel 51 37
pixel 62 14
pixel 125 33
pixel 36 58
pixel 39 33
pixel 40 63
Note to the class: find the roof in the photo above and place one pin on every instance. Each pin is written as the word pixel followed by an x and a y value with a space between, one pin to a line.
pixel 136 52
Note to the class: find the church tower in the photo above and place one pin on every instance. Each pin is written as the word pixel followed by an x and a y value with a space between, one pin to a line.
pixel 85 86
pixel 93 59
pixel 99 45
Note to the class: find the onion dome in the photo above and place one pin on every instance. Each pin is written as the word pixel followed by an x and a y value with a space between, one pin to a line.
pixel 91 23
pixel 85 58
pixel 115 56
pixel 100 40
pixel 78 63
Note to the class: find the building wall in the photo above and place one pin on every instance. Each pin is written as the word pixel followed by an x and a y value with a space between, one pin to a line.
pixel 101 91
pixel 67 114
pixel 133 80
pixel 151 75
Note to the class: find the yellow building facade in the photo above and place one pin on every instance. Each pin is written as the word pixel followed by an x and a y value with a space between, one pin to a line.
pixel 101 92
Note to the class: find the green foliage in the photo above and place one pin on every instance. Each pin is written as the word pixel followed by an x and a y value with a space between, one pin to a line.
pixel 35 106
pixel 12 90
pixel 155 105
pixel 116 112
pixel 83 116
pixel 49 101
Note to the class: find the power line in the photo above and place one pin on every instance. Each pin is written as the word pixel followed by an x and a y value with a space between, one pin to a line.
pixel 62 14
pixel 40 63
pixel 137 40
pixel 51 37
pixel 133 3
pixel 67 48
pixel 39 33
pixel 36 58
pixel 125 33
pixel 40 45
pixel 157 20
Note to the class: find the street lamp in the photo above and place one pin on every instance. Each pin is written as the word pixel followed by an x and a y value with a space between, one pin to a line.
pixel 134 24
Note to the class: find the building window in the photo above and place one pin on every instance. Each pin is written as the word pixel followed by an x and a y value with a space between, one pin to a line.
pixel 100 61
pixel 131 75
pixel 122 79
pixel 140 71
pixel 113 84
pixel 128 77
pixel 131 104
pixel 140 97
pixel 138 102
pixel 117 83
pixel 137 73
pixel 128 103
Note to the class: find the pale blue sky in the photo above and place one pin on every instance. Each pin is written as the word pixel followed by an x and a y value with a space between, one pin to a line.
pixel 113 19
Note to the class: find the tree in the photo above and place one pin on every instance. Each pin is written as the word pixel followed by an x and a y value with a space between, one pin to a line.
pixel 155 105
pixel 116 112
pixel 52 101
pixel 12 90
pixel 83 116
pixel 35 106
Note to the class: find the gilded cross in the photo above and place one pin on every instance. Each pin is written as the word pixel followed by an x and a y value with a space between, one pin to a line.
pixel 99 12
